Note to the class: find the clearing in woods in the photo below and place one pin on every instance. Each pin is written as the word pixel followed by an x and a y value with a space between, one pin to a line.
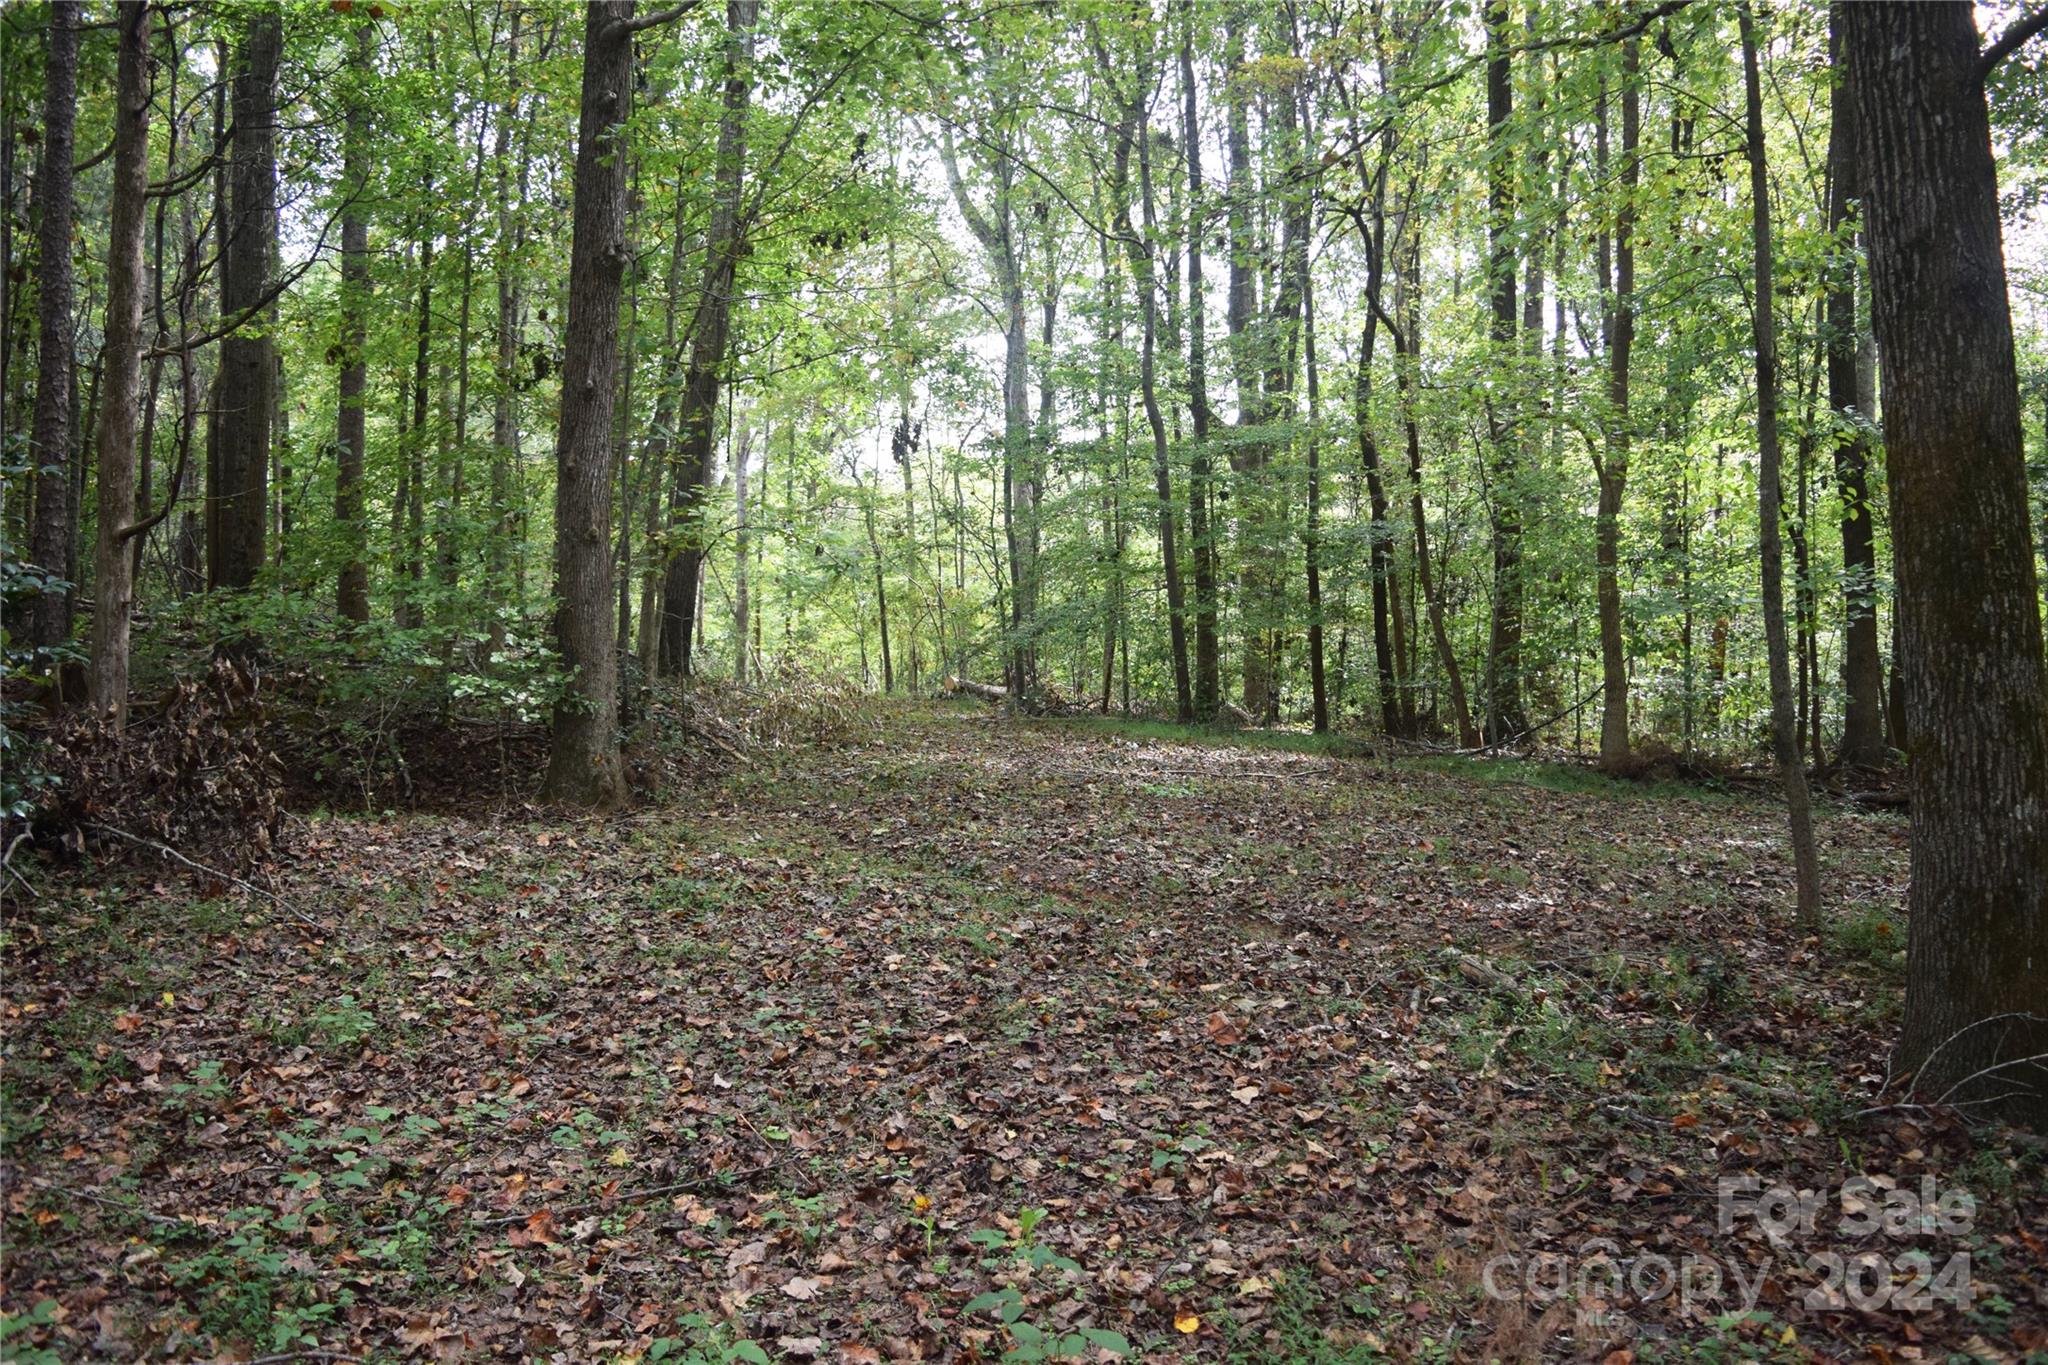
pixel 1043 1038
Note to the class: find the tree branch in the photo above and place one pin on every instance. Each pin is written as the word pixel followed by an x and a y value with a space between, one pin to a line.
pixel 660 17
pixel 2008 43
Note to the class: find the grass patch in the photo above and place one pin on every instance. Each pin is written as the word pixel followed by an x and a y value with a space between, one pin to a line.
pixel 1168 732
pixel 1575 779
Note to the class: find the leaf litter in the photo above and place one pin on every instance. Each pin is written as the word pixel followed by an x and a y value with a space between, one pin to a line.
pixel 982 1040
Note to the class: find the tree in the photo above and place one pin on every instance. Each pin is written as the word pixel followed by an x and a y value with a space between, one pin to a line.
pixel 698 418
pixel 996 229
pixel 1968 603
pixel 1862 670
pixel 1770 550
pixel 237 486
pixel 1408 342
pixel 1612 470
pixel 1505 720
pixel 584 767
pixel 352 589
pixel 1133 132
pixel 121 370
pixel 1207 680
pixel 56 519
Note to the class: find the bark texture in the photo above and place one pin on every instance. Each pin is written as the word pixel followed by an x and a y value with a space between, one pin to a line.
pixel 1770 549
pixel 56 519
pixel 121 374
pixel 1505 720
pixel 699 415
pixel 584 767
pixel 1613 471
pixel 238 486
pixel 1976 701
pixel 1862 669
pixel 352 589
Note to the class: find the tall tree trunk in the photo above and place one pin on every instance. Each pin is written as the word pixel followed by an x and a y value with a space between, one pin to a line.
pixel 412 532
pixel 238 496
pixel 1976 697
pixel 56 517
pixel 1133 130
pixel 1862 669
pixel 997 233
pixel 1770 550
pixel 1408 303
pixel 1369 215
pixel 1613 471
pixel 584 767
pixel 352 590
pixel 741 543
pixel 903 442
pixel 868 494
pixel 1248 458
pixel 699 414
pixel 113 569
pixel 657 450
pixel 1207 681
pixel 1504 716
pixel 1318 680
pixel 505 395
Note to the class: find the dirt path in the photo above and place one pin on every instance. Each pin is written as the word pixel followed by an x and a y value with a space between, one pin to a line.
pixel 986 1035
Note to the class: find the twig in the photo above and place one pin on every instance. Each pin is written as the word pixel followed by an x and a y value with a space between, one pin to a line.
pixel 134 1207
pixel 1914 1084
pixel 167 851
pixel 1528 731
pixel 696 1186
pixel 775 1157
pixel 7 862
pixel 2034 1060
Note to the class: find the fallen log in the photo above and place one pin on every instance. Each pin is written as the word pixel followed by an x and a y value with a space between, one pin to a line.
pixel 985 691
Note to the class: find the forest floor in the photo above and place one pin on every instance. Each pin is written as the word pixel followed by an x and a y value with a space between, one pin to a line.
pixel 990 1036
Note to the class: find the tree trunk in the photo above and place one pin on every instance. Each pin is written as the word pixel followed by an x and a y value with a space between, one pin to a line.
pixel 1207 680
pixel 1613 471
pixel 1312 550
pixel 352 590
pixel 867 506
pixel 505 397
pixel 1248 457
pixel 113 569
pixel 657 451
pixel 238 496
pixel 1131 129
pixel 412 449
pixel 1386 663
pixel 584 767
pixel 1770 550
pixel 997 233
pixel 741 543
pixel 698 419
pixel 1408 304
pixel 1976 699
pixel 1863 743
pixel 56 518
pixel 1504 716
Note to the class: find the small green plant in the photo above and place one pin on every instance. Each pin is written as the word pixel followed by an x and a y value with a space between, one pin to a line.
pixel 343 1024
pixel 204 1090
pixel 1870 935
pixel 16 1328
pixel 710 1343
pixel 1030 1342
pixel 1026 1258
pixel 245 1287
